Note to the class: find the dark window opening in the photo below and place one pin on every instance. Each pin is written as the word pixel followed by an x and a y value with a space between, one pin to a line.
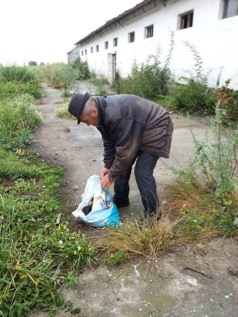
pixel 131 37
pixel 149 31
pixel 115 41
pixel 186 20
pixel 230 8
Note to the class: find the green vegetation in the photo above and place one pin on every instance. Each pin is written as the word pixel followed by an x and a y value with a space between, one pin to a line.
pixel 63 76
pixel 15 80
pixel 100 82
pixel 37 257
pixel 18 118
pixel 81 68
pixel 59 76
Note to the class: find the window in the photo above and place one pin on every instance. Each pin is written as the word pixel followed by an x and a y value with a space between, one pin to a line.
pixel 131 37
pixel 86 52
pixel 149 31
pixel 115 41
pixel 186 20
pixel 97 48
pixel 82 53
pixel 230 8
pixel 91 49
pixel 106 45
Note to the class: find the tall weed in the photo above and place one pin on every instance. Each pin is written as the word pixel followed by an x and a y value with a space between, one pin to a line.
pixel 19 80
pixel 217 158
pixel 211 180
pixel 18 117
pixel 81 68
pixel 60 76
pixel 191 94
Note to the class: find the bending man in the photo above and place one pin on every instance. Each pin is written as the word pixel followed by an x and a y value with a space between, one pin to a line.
pixel 134 131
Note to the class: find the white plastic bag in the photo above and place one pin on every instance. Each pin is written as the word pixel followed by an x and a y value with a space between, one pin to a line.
pixel 104 212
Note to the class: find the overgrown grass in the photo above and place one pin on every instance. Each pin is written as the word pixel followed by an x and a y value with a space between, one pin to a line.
pixel 16 80
pixel 133 239
pixel 18 117
pixel 37 256
pixel 62 110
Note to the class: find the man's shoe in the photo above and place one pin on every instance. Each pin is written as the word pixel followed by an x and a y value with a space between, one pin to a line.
pixel 120 205
pixel 149 218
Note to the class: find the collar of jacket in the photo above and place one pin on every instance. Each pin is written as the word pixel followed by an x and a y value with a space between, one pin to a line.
pixel 99 101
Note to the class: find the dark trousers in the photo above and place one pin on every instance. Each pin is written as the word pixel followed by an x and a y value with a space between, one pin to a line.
pixel 144 167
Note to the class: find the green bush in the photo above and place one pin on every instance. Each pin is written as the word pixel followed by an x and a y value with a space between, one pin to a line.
pixel 60 76
pixel 18 117
pixel 191 94
pixel 193 97
pixel 81 68
pixel 228 99
pixel 19 80
pixel 147 80
pixel 150 79
pixel 17 74
pixel 11 89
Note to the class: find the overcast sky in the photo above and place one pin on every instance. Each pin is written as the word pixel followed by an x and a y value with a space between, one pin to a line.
pixel 45 30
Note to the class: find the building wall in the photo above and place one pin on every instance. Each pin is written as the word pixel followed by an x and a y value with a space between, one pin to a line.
pixel 73 54
pixel 214 39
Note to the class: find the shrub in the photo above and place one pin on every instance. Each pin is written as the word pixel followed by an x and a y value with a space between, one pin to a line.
pixel 81 68
pixel 60 76
pixel 18 116
pixel 191 94
pixel 17 74
pixel 229 101
pixel 193 97
pixel 19 80
pixel 216 159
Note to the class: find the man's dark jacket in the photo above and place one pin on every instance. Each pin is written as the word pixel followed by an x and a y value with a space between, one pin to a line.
pixel 129 123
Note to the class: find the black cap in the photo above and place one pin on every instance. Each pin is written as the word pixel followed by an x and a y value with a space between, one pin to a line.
pixel 77 103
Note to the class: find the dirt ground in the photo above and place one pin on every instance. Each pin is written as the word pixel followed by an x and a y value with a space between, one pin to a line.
pixel 188 282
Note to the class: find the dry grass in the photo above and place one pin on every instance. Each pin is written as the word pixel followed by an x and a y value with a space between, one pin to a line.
pixel 189 216
pixel 135 239
pixel 182 195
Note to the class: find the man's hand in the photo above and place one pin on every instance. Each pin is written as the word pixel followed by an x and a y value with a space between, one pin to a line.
pixel 105 171
pixel 105 182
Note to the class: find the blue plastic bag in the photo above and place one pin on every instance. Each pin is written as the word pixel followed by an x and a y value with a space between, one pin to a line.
pixel 103 212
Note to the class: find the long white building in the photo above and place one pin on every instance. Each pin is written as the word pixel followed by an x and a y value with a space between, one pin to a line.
pixel 210 27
